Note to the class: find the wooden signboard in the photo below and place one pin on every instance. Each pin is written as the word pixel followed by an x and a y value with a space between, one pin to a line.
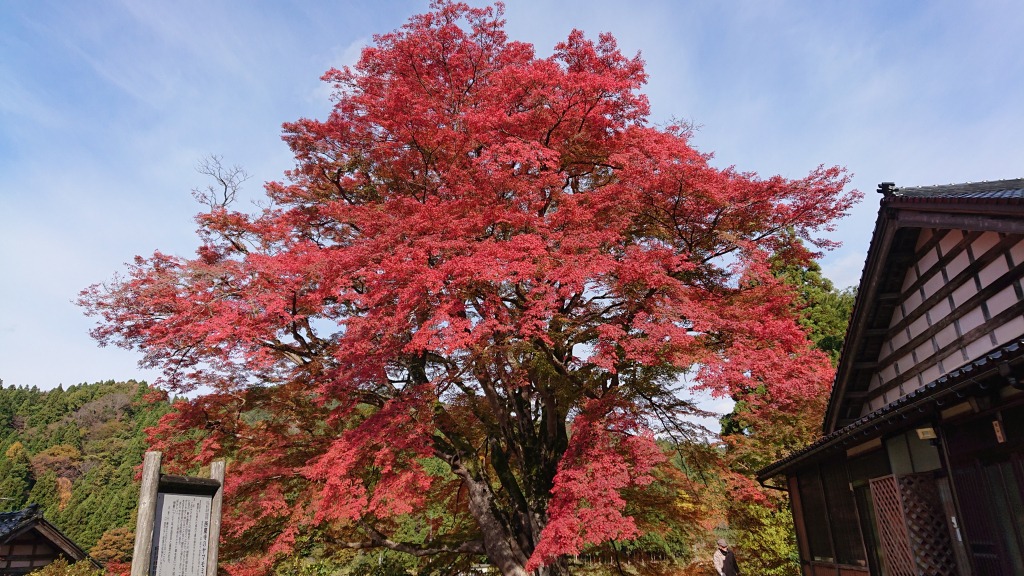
pixel 178 523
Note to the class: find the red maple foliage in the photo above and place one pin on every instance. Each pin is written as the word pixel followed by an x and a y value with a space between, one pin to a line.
pixel 483 259
pixel 610 450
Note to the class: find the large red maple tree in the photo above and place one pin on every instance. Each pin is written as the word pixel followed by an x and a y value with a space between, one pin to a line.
pixel 486 282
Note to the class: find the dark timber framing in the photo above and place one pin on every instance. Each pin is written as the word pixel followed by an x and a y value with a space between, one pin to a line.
pixel 28 542
pixel 972 208
pixel 921 463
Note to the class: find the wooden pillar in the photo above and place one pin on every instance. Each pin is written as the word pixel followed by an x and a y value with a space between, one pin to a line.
pixel 147 514
pixel 796 508
pixel 216 473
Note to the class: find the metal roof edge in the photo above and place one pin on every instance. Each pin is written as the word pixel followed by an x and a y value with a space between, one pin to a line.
pixel 881 239
pixel 952 382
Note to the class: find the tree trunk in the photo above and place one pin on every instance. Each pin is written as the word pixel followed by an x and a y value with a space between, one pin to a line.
pixel 502 549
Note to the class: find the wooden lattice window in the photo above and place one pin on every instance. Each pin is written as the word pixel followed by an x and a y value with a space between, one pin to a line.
pixel 926 525
pixel 819 534
pixel 914 535
pixel 885 495
pixel 842 514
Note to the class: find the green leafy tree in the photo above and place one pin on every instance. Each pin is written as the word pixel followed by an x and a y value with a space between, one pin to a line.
pixel 756 435
pixel 68 434
pixel 46 493
pixel 826 308
pixel 379 564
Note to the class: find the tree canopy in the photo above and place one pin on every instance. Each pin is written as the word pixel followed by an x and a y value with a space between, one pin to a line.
pixel 482 289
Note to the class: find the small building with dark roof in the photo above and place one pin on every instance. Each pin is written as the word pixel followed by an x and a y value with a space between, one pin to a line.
pixel 920 470
pixel 28 542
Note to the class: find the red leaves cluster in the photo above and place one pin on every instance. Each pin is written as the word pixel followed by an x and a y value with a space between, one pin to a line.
pixel 473 246
pixel 610 450
pixel 390 442
pixel 267 437
pixel 765 352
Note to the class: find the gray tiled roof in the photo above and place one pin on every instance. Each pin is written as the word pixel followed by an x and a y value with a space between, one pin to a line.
pixel 11 522
pixel 994 190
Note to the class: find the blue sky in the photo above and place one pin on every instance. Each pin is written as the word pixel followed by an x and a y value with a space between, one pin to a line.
pixel 106 106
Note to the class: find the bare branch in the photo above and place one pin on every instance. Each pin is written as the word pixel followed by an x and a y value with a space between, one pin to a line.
pixel 227 182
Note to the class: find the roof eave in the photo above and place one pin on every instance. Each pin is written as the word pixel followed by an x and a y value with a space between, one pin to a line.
pixel 957 384
pixel 883 233
pixel 896 212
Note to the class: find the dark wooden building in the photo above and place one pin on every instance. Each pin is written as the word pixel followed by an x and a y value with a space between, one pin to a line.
pixel 28 542
pixel 921 467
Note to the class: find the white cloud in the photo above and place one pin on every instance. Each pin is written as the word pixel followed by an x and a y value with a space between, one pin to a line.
pixel 347 56
pixel 105 108
pixel 845 269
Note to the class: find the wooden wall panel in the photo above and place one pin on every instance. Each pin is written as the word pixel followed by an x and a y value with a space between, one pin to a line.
pixel 961 299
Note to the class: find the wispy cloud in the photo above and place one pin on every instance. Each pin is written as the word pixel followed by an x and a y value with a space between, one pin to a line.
pixel 105 108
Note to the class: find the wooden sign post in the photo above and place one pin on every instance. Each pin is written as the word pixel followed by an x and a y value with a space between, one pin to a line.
pixel 178 528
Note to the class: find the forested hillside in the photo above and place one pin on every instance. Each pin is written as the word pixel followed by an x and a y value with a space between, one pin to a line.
pixel 74 452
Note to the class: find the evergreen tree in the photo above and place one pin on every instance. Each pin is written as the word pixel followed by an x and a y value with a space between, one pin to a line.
pixel 826 308
pixel 68 434
pixel 46 493
pixel 16 479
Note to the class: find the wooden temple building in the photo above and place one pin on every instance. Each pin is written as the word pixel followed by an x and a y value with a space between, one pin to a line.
pixel 28 542
pixel 921 467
